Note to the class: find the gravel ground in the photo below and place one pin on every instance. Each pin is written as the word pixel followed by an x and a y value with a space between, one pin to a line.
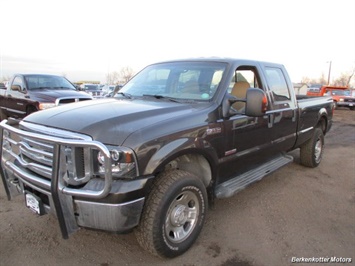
pixel 293 214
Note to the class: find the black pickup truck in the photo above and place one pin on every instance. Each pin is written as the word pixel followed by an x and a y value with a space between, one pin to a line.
pixel 28 93
pixel 177 136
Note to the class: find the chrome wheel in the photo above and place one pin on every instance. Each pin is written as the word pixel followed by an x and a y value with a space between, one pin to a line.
pixel 181 217
pixel 318 150
pixel 173 215
pixel 312 150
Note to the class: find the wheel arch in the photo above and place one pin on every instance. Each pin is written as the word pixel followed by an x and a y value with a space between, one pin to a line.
pixel 323 120
pixel 185 154
pixel 31 108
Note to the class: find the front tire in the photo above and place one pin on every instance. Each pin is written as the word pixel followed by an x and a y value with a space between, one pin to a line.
pixel 173 215
pixel 312 151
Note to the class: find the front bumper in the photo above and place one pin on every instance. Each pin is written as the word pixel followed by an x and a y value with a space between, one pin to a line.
pixel 80 212
pixel 346 104
pixel 102 203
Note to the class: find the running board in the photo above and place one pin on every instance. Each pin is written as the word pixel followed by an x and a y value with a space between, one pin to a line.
pixel 238 183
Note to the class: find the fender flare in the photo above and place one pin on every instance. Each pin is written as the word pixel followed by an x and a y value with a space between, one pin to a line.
pixel 323 119
pixel 179 147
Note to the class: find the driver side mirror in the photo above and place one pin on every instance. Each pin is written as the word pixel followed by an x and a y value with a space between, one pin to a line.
pixel 256 102
pixel 16 88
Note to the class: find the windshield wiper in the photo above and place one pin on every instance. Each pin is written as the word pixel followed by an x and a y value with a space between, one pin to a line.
pixel 158 96
pixel 40 88
pixel 128 96
pixel 63 88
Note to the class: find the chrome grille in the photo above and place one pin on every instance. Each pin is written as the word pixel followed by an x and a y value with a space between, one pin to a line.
pixel 96 93
pixel 31 150
pixel 351 100
pixel 71 100
pixel 30 154
pixel 38 156
pixel 66 100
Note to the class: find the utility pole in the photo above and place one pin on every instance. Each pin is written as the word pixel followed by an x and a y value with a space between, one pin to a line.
pixel 330 68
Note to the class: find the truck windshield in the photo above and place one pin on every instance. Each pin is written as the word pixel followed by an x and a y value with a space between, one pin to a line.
pixel 48 82
pixel 339 92
pixel 177 80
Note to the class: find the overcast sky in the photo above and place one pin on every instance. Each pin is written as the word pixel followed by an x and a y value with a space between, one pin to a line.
pixel 85 40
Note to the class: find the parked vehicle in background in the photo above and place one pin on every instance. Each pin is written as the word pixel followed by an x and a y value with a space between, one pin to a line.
pixel 28 93
pixel 4 84
pixel 93 89
pixel 333 91
pixel 300 88
pixel 342 98
pixel 177 136
pixel 323 90
pixel 107 89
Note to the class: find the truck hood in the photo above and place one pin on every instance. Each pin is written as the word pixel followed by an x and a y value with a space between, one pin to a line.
pixel 50 95
pixel 111 121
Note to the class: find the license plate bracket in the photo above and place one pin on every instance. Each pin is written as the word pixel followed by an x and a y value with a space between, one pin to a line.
pixel 34 203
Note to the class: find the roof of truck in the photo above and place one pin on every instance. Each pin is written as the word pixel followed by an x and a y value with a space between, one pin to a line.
pixel 219 59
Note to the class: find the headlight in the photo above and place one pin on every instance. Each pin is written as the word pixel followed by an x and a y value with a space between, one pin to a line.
pixel 43 106
pixel 123 163
pixel 341 100
pixel 79 165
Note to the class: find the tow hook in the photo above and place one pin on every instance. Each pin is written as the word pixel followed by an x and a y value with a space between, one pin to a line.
pixel 15 183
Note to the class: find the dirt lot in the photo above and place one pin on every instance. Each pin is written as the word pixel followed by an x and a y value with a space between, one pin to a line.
pixel 295 212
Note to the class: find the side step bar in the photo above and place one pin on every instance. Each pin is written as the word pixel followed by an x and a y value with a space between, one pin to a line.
pixel 238 183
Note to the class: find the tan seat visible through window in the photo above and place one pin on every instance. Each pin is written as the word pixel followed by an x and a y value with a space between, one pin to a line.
pixel 240 91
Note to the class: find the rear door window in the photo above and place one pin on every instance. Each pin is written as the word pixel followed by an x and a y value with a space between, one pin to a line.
pixel 277 84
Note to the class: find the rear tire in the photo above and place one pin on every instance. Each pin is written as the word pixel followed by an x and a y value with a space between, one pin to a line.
pixel 312 151
pixel 173 215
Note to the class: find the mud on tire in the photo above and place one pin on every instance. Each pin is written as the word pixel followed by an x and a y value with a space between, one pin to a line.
pixel 173 214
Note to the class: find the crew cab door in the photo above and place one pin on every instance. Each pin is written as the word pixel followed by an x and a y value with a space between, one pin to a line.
pixel 251 141
pixel 246 137
pixel 16 97
pixel 282 113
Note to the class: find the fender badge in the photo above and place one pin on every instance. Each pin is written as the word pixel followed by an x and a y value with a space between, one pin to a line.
pixel 212 131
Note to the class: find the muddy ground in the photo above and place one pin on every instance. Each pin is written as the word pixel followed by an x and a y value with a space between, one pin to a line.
pixel 296 212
